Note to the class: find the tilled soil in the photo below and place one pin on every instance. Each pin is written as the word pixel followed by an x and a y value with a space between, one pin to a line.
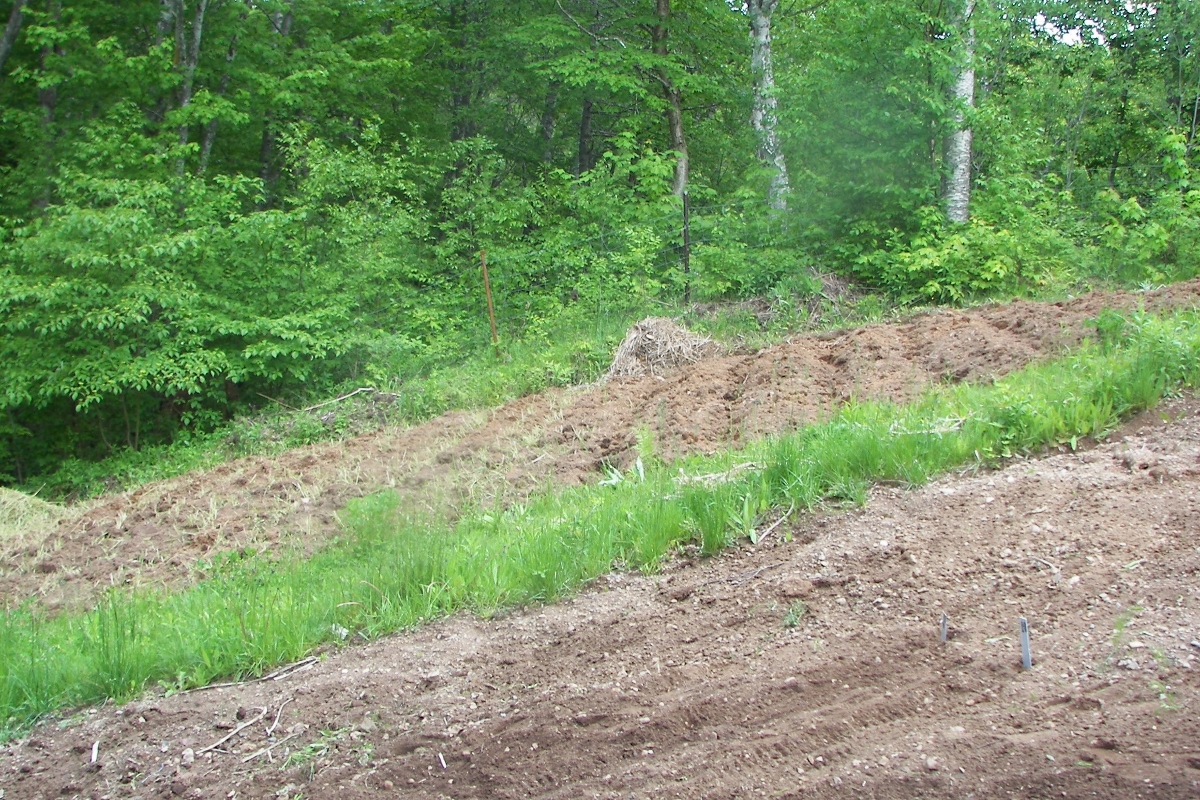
pixel 156 534
pixel 809 665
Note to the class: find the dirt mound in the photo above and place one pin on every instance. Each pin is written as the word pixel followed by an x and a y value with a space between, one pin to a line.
pixel 807 666
pixel 657 345
pixel 156 533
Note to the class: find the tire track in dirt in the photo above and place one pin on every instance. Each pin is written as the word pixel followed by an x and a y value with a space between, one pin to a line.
pixel 156 534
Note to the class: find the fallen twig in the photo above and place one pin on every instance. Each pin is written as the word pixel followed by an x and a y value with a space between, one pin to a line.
pixel 273 400
pixel 359 390
pixel 267 750
pixel 775 525
pixel 232 733
pixel 275 724
pixel 289 670
pixel 278 675
pixel 717 478
pixel 749 575
pixel 1044 561
pixel 949 425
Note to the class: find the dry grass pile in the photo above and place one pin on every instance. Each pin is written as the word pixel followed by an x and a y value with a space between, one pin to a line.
pixel 656 345
pixel 21 513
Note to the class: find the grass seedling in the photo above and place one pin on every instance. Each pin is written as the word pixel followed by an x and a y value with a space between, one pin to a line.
pixel 795 613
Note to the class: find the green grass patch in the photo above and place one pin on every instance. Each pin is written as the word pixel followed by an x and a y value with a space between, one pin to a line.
pixel 393 571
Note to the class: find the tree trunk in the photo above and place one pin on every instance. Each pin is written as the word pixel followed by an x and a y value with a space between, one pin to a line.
pixel 662 13
pixel 764 117
pixel 549 123
pixel 1115 162
pixel 10 32
pixel 187 59
pixel 957 195
pixel 48 102
pixel 210 129
pixel 583 156
pixel 282 22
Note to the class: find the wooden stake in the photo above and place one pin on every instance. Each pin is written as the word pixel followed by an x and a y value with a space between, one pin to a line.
pixel 487 289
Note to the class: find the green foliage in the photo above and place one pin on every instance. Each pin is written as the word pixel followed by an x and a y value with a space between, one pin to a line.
pixel 301 201
pixel 396 571
pixel 795 613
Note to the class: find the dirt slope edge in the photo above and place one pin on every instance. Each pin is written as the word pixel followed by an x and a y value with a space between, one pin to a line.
pixel 155 535
pixel 691 685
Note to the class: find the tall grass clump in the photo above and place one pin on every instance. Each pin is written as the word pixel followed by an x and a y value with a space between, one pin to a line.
pixel 394 571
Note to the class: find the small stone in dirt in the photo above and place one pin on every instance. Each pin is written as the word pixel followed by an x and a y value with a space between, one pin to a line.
pixel 389 785
pixel 1129 663
pixel 793 588
pixel 681 592
pixel 932 764
pixel 188 758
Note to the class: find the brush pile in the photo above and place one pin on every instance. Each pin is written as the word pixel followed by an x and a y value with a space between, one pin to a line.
pixel 20 513
pixel 656 345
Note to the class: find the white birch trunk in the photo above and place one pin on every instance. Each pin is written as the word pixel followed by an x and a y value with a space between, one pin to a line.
pixel 764 116
pixel 957 195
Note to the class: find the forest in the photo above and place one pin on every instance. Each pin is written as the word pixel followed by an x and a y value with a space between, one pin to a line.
pixel 209 205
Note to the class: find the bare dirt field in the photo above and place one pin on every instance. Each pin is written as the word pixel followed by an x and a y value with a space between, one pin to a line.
pixel 809 665
pixel 157 534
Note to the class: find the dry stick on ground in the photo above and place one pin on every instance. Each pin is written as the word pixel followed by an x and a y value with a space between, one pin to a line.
pixel 751 574
pixel 275 724
pixel 716 478
pixel 233 733
pixel 273 400
pixel 762 538
pixel 359 390
pixel 277 675
pixel 267 750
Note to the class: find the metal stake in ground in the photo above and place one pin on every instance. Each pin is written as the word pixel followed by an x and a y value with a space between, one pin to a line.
pixel 1026 656
pixel 945 627
pixel 487 289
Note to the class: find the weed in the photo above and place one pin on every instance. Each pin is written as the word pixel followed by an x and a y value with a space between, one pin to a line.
pixel 307 756
pixel 1121 623
pixel 1166 696
pixel 795 614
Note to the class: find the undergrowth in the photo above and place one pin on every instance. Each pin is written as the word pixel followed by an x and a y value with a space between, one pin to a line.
pixel 405 390
pixel 394 571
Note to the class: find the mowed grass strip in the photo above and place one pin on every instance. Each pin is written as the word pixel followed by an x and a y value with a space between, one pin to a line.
pixel 392 572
